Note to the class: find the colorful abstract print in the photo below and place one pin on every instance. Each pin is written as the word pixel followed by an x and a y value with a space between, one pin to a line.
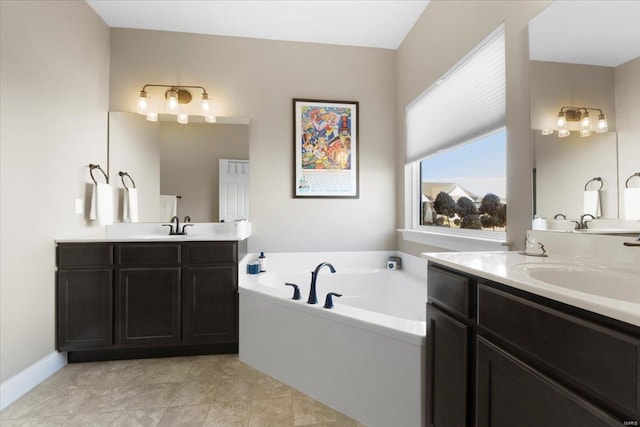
pixel 326 137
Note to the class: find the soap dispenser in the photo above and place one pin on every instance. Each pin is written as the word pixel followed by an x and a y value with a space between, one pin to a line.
pixel 262 259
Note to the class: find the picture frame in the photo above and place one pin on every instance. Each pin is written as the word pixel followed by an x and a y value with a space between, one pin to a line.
pixel 326 146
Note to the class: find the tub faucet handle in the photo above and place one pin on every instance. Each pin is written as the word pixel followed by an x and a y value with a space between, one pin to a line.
pixel 296 291
pixel 328 302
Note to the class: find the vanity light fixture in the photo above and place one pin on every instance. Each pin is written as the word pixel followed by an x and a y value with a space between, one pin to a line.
pixel 581 115
pixel 175 95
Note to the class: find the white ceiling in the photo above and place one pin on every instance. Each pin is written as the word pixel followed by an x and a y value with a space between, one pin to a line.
pixel 591 32
pixel 382 24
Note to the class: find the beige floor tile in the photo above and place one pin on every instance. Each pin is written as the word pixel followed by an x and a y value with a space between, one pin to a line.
pixel 36 422
pixel 140 418
pixel 165 373
pixel 27 406
pixel 214 390
pixel 67 402
pixel 233 389
pixel 266 387
pixel 111 399
pixel 308 411
pixel 184 416
pixel 194 393
pixel 228 414
pixel 236 368
pixel 154 396
pixel 271 413
pixel 103 419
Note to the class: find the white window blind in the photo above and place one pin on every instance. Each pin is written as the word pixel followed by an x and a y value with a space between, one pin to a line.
pixel 467 103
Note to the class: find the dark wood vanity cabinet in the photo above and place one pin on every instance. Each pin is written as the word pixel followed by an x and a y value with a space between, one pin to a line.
pixel 209 293
pixel 448 350
pixel 116 298
pixel 530 361
pixel 84 296
pixel 148 294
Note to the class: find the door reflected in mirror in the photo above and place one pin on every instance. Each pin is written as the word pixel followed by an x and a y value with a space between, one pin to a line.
pixel 179 162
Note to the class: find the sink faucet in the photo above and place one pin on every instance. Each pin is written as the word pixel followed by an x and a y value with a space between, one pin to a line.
pixel 313 299
pixel 175 227
pixel 583 224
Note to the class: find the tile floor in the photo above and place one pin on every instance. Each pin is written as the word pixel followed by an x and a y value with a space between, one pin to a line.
pixel 212 391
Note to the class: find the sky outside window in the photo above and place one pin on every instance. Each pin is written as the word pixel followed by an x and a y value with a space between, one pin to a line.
pixel 479 166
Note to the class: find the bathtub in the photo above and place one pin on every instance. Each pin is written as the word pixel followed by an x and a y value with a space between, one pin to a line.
pixel 364 357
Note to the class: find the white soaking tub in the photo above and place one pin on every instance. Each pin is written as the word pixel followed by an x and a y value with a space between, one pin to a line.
pixel 364 357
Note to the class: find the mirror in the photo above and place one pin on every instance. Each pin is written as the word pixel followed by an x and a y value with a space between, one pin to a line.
pixel 180 162
pixel 585 54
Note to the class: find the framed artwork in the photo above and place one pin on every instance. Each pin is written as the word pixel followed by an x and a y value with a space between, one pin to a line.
pixel 325 140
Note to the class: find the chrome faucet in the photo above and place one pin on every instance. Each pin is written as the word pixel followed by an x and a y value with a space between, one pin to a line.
pixel 313 298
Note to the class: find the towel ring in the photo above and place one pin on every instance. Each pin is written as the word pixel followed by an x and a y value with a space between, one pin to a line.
pixel 122 175
pixel 594 179
pixel 92 167
pixel 626 183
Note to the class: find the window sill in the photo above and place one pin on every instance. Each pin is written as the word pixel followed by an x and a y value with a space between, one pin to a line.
pixel 456 240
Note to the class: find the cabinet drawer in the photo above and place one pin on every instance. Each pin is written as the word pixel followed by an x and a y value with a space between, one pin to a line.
pixel 597 360
pixel 148 254
pixel 84 254
pixel 209 252
pixel 449 290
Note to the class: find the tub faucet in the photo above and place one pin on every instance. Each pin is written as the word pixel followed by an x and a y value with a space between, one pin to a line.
pixel 313 298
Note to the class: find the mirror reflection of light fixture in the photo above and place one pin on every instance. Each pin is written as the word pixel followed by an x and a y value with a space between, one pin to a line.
pixel 581 115
pixel 183 118
pixel 175 96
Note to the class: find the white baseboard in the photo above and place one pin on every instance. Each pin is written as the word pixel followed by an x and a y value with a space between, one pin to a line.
pixel 19 384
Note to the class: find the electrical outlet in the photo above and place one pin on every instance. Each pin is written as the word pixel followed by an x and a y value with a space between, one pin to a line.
pixel 79 206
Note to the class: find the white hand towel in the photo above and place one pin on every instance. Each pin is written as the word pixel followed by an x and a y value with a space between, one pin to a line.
pixel 632 203
pixel 102 204
pixel 130 208
pixel 168 207
pixel 591 203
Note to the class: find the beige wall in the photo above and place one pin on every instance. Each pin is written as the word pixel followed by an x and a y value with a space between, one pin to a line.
pixel 189 163
pixel 134 147
pixel 258 79
pixel 628 111
pixel 445 32
pixel 54 84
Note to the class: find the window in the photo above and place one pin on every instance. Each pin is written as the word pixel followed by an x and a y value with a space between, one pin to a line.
pixel 455 168
pixel 465 187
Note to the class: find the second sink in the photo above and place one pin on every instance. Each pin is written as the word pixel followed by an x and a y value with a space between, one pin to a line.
pixel 624 283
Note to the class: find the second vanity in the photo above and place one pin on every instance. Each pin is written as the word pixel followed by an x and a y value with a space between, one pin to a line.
pixel 508 346
pixel 147 295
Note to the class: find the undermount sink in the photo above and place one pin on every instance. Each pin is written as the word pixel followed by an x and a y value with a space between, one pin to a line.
pixel 621 283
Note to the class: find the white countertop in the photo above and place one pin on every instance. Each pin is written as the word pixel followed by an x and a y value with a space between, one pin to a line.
pixel 149 232
pixel 501 267
pixel 155 238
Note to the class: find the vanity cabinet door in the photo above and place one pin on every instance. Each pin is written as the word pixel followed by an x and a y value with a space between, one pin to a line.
pixel 209 304
pixel 149 306
pixel 511 393
pixel 447 403
pixel 84 308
